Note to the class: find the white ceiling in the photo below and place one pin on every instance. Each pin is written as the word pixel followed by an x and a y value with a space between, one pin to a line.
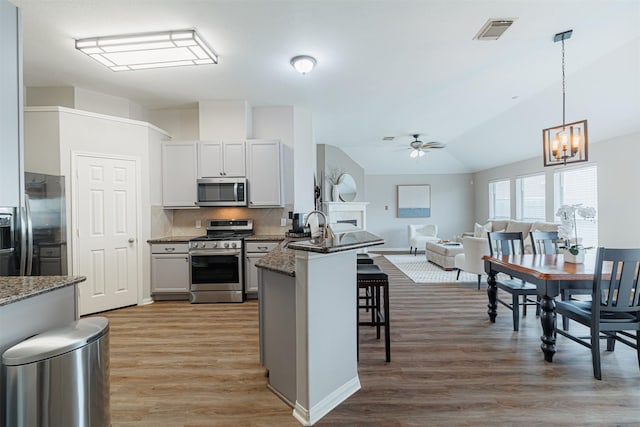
pixel 385 68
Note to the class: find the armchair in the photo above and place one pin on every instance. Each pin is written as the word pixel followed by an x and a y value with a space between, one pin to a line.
pixel 420 234
pixel 474 248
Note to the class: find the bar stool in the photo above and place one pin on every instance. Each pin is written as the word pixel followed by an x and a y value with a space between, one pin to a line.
pixel 375 283
pixel 364 259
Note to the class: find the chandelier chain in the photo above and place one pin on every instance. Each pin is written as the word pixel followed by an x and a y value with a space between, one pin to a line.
pixel 563 88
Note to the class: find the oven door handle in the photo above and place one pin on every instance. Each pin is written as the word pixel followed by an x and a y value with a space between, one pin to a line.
pixel 213 253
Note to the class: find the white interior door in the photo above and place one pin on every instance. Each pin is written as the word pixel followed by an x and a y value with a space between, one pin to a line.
pixel 105 198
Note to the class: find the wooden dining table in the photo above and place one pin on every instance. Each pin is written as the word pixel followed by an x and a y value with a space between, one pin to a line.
pixel 550 274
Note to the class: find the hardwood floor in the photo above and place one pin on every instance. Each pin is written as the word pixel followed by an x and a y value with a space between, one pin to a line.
pixel 177 364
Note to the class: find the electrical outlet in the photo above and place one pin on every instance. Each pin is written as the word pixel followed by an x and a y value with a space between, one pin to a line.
pixel 198 223
pixel 283 222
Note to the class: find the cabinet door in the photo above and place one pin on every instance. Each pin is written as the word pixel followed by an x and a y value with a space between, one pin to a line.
pixel 179 174
pixel 10 105
pixel 251 273
pixel 264 173
pixel 210 159
pixel 169 273
pixel 234 159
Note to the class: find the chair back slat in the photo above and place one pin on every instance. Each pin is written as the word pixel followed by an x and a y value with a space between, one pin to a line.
pixel 544 242
pixel 505 243
pixel 617 290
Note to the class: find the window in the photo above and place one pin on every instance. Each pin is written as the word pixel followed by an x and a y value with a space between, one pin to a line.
pixel 530 197
pixel 574 186
pixel 500 199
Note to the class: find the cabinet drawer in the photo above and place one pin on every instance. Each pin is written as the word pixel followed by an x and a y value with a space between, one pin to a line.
pixel 260 246
pixel 50 252
pixel 169 248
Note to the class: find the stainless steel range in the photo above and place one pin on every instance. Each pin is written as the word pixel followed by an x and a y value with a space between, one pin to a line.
pixel 216 261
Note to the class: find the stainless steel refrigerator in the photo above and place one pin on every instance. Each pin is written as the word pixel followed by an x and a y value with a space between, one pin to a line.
pixel 38 230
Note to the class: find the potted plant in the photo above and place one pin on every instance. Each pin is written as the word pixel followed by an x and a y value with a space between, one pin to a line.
pixel 568 230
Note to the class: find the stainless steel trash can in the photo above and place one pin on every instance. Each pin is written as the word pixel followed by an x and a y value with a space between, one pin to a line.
pixel 60 377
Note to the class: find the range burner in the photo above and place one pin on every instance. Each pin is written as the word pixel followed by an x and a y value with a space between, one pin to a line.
pixel 232 231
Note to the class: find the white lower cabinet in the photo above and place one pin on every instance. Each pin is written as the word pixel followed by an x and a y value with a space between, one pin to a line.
pixel 170 271
pixel 253 252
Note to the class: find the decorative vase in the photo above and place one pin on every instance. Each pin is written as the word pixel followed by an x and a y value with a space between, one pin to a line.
pixel 335 193
pixel 574 259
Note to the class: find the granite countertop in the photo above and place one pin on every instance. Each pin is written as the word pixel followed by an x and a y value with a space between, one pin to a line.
pixel 265 237
pixel 342 242
pixel 280 259
pixel 16 288
pixel 172 239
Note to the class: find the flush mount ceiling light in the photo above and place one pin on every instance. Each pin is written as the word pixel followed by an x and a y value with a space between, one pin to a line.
pixel 149 50
pixel 566 143
pixel 303 63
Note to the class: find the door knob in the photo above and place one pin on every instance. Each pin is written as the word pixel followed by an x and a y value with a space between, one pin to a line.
pixel 131 240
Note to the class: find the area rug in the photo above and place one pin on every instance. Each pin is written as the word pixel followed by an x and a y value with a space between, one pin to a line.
pixel 421 271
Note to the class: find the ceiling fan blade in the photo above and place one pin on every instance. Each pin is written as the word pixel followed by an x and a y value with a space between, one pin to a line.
pixel 433 144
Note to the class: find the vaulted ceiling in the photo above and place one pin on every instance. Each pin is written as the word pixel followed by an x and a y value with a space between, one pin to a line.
pixel 385 68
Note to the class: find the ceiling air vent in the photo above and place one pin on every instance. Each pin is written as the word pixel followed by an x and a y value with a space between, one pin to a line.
pixel 493 29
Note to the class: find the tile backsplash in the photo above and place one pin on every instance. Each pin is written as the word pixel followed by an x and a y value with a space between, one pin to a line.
pixel 182 222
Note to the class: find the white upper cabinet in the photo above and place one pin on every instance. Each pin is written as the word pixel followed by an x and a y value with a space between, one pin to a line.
pixel 221 159
pixel 264 173
pixel 179 174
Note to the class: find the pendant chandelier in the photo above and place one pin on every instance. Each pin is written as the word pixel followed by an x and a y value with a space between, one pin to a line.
pixel 566 143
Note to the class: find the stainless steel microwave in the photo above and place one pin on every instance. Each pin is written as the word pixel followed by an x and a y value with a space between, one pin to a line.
pixel 222 192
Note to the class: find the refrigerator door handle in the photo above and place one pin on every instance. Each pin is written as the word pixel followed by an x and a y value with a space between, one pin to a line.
pixel 23 240
pixel 29 236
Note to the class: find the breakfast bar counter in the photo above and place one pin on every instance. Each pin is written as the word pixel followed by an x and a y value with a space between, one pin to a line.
pixel 308 336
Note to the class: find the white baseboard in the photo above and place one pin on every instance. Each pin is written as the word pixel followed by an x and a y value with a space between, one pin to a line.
pixel 308 417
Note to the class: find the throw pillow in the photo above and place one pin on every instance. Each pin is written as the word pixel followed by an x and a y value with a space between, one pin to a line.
pixel 481 230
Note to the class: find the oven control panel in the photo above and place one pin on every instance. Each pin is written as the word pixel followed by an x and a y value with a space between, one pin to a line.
pixel 216 244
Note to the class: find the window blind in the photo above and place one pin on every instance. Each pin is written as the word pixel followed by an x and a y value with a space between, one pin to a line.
pixel 579 186
pixel 500 199
pixel 530 198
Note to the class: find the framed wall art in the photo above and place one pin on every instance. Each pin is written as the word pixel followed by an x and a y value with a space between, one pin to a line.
pixel 414 201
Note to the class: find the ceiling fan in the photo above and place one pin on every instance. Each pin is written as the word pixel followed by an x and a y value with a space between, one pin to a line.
pixel 418 147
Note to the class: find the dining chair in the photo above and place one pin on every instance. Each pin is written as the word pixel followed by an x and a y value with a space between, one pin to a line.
pixel 546 242
pixel 508 243
pixel 614 309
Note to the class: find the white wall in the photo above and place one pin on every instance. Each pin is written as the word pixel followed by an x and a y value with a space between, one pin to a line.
pixel 332 158
pixel 618 204
pixel 86 100
pixel 224 120
pixel 452 203
pixel 94 133
pixel 42 140
pixel 181 123
pixel 292 126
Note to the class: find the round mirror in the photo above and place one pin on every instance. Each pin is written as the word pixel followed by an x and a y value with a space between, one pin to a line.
pixel 347 188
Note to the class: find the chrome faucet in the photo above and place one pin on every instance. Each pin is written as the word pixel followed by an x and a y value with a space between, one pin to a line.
pixel 326 232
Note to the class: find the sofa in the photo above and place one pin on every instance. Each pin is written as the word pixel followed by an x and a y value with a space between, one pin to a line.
pixel 509 225
pixel 476 245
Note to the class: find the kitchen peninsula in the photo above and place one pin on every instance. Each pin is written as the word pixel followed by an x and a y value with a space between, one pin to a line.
pixel 308 336
pixel 30 305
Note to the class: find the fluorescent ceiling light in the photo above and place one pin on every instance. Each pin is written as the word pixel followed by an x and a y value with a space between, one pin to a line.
pixel 150 50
